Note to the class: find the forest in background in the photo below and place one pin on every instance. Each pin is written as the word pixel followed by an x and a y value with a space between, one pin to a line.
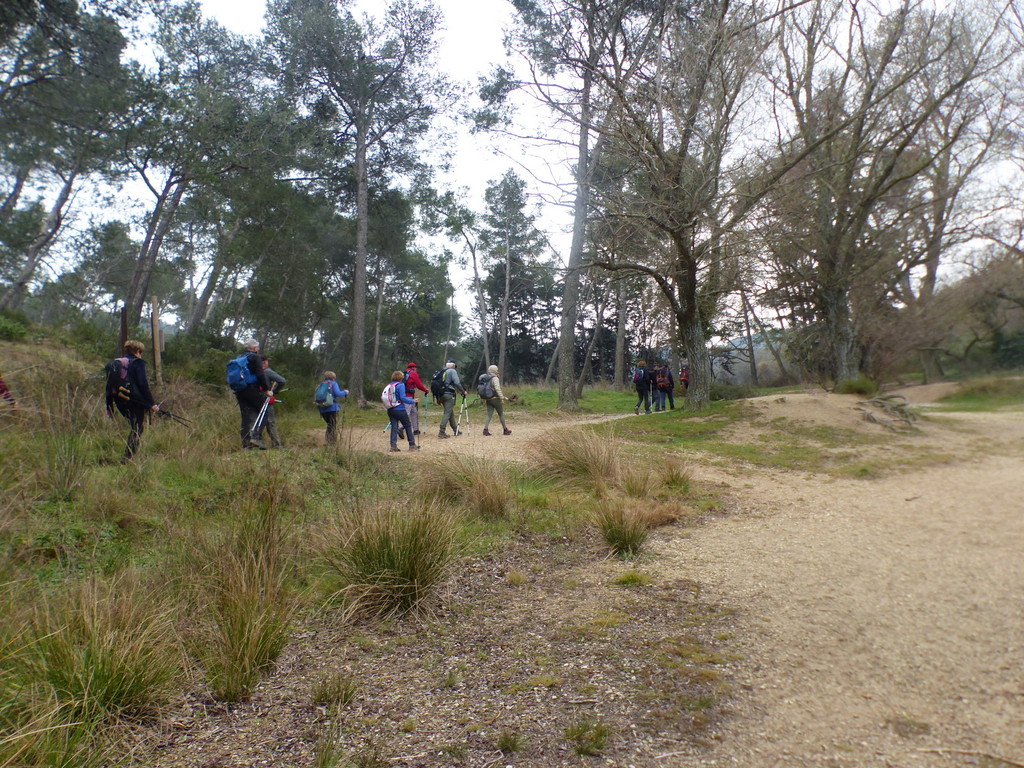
pixel 820 190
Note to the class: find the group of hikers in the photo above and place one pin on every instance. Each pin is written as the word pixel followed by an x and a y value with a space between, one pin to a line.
pixel 657 385
pixel 255 386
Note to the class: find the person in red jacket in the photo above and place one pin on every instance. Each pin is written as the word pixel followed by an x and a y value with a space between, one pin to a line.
pixel 412 383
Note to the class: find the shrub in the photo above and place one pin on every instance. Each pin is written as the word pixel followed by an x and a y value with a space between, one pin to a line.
pixel 861 385
pixel 623 526
pixel 676 474
pixel 720 391
pixel 11 330
pixel 389 560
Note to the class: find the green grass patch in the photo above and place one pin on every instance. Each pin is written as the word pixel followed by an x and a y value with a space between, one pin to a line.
pixel 991 393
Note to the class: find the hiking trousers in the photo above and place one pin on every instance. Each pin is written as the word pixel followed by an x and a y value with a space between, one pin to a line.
pixel 270 425
pixel 136 416
pixel 494 406
pixel 448 401
pixel 643 397
pixel 250 402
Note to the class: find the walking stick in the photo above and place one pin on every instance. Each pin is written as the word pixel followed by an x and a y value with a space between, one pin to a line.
pixel 255 429
pixel 462 412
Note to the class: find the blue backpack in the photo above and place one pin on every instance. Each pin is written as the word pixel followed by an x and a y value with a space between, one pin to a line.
pixel 239 375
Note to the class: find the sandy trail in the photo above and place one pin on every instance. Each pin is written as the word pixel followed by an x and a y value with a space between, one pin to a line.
pixel 880 619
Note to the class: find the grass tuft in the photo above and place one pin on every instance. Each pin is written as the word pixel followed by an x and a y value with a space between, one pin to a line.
pixel 245 596
pixel 390 559
pixel 334 690
pixel 588 457
pixel 107 651
pixel 624 526
pixel 588 736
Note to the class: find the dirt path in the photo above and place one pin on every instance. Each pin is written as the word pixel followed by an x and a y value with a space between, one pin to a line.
pixel 880 620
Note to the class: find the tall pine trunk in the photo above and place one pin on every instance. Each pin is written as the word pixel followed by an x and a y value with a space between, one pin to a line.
pixel 37 247
pixel 357 357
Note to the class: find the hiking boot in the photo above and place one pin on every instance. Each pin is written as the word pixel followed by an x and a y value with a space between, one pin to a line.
pixel 414 447
pixel 487 433
pixel 637 410
pixel 401 433
pixel 506 431
pixel 395 449
pixel 415 431
pixel 442 435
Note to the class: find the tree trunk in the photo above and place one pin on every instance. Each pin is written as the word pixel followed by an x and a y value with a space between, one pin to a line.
pixel 357 361
pixel 585 160
pixel 764 335
pixel 839 336
pixel 481 305
pixel 619 380
pixel 554 361
pixel 202 307
pixel 14 196
pixel 750 345
pixel 698 395
pixel 159 222
pixel 587 365
pixel 376 326
pixel 34 252
pixel 503 338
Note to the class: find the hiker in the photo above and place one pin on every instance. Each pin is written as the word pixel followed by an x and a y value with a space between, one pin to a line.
pixel 654 373
pixel 494 402
pixel 269 422
pixel 413 382
pixel 395 400
pixel 327 396
pixel 684 378
pixel 642 381
pixel 251 391
pixel 663 386
pixel 450 386
pixel 133 398
pixel 6 394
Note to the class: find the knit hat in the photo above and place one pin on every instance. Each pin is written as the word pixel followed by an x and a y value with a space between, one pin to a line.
pixel 411 365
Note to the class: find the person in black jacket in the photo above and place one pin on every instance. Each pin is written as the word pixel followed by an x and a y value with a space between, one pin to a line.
pixel 252 398
pixel 136 399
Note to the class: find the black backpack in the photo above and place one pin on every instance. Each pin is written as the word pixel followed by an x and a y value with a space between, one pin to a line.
pixel 485 386
pixel 437 383
pixel 119 387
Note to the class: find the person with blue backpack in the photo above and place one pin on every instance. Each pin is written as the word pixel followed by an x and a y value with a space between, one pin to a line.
pixel 249 384
pixel 396 399
pixel 326 398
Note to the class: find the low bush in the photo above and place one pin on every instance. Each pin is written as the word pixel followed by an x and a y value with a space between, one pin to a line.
pixel 861 385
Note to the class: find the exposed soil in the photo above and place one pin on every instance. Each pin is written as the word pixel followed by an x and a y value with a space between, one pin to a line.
pixel 812 621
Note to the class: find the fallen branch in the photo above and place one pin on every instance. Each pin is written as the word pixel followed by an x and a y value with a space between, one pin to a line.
pixel 973 753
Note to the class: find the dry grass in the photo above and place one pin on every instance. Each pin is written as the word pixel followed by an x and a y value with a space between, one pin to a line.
pixel 576 457
pixel 480 484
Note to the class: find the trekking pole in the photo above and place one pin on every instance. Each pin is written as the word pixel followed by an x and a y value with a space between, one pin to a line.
pixel 462 412
pixel 254 430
